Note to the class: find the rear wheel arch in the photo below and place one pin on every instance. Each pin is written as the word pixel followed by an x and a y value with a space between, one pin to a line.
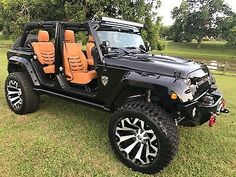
pixel 14 67
pixel 18 64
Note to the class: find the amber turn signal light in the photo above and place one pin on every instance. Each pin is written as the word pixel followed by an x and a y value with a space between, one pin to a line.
pixel 173 96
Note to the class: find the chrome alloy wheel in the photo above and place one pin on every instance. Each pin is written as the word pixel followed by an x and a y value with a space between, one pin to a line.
pixel 136 140
pixel 14 94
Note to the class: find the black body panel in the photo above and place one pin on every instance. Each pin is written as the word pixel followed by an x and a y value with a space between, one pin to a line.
pixel 162 65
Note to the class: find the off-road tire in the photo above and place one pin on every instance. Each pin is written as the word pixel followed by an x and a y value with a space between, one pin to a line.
pixel 30 98
pixel 161 123
pixel 30 38
pixel 16 45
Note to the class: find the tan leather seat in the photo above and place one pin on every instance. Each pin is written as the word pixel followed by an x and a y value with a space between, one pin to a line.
pixel 89 48
pixel 44 49
pixel 75 62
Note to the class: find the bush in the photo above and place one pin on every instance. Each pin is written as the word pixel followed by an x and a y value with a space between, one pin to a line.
pixel 160 45
pixel 231 39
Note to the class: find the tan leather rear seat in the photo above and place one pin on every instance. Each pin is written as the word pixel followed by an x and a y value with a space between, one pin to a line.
pixel 45 51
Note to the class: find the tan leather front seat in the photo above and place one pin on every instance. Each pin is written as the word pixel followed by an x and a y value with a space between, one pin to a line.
pixel 44 49
pixel 75 62
pixel 89 48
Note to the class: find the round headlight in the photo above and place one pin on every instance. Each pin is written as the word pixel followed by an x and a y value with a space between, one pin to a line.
pixel 173 96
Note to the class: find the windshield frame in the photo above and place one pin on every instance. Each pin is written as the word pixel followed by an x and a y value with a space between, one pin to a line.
pixel 96 26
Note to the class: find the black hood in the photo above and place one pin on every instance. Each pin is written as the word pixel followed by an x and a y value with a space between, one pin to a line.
pixel 158 64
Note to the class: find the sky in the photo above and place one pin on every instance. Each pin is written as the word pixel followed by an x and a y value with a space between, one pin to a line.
pixel 168 5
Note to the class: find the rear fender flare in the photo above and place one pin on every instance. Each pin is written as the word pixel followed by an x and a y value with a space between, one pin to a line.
pixel 25 64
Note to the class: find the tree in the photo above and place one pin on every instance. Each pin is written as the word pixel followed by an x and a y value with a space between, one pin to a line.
pixel 231 39
pixel 134 10
pixel 228 30
pixel 17 12
pixel 151 33
pixel 200 18
pixel 227 25
pixel 1 19
pixel 179 29
pixel 165 32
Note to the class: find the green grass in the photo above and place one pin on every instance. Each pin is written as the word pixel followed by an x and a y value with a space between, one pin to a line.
pixel 4 41
pixel 67 139
pixel 209 51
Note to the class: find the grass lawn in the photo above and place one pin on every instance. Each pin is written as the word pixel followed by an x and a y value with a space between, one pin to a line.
pixel 4 41
pixel 209 51
pixel 67 139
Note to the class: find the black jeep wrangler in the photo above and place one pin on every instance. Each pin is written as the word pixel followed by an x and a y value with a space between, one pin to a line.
pixel 148 95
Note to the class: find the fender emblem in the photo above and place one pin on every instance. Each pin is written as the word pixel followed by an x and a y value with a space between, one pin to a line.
pixel 104 80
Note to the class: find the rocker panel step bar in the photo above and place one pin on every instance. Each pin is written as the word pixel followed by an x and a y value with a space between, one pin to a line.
pixel 94 105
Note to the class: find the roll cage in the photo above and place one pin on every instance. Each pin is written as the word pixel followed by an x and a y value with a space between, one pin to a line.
pixel 57 83
pixel 105 23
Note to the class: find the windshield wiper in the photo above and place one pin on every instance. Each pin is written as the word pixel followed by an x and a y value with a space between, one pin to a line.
pixel 118 48
pixel 136 48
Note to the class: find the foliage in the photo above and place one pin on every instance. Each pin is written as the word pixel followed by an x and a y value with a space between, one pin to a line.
pixel 17 12
pixel 151 33
pixel 1 19
pixel 231 39
pixel 226 25
pixel 179 28
pixel 199 18
pixel 160 45
pixel 165 32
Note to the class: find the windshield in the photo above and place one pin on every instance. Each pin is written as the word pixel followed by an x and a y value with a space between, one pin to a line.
pixel 121 39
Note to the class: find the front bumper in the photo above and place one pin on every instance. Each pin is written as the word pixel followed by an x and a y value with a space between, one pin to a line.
pixel 200 111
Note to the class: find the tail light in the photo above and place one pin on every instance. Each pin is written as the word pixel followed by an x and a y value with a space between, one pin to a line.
pixel 212 120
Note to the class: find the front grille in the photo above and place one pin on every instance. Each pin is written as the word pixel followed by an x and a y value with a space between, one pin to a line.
pixel 201 84
pixel 201 89
pixel 199 80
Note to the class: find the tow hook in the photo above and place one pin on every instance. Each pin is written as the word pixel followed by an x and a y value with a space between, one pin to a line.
pixel 223 109
pixel 212 120
pixel 226 111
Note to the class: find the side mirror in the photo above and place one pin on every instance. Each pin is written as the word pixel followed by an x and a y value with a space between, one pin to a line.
pixel 106 47
pixel 147 46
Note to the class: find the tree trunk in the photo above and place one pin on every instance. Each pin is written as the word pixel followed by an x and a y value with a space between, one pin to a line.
pixel 199 42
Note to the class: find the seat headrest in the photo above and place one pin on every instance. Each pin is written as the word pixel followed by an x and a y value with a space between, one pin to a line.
pixel 90 39
pixel 43 36
pixel 69 36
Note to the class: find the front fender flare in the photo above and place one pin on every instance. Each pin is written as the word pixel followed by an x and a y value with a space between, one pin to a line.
pixel 151 82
